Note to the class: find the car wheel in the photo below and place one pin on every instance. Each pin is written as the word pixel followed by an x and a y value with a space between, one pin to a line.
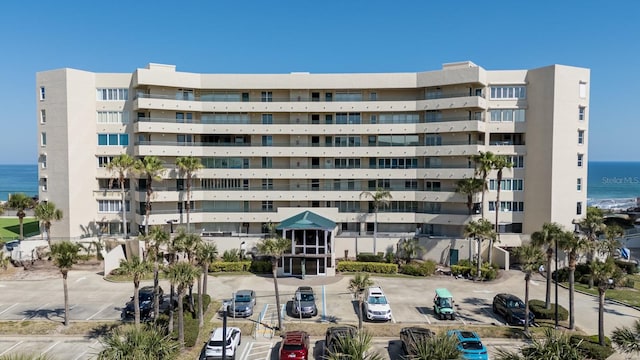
pixel 509 320
pixel 240 340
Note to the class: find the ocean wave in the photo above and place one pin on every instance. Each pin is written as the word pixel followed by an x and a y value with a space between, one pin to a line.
pixel 614 203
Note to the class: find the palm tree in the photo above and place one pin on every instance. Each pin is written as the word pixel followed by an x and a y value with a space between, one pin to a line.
pixel 137 268
pixel 602 273
pixel 547 237
pixel 357 286
pixel 484 164
pixel 46 212
pixel 20 202
pixel 158 238
pixel 627 339
pixel 131 343
pixel 612 233
pixel 437 347
pixel 573 245
pixel 122 165
pixel 500 162
pixel 479 230
pixel 188 165
pixel 207 253
pixel 379 198
pixel 554 345
pixel 152 168
pixel 592 226
pixel 469 187
pixel 530 257
pixel 274 248
pixel 409 249
pixel 182 275
pixel 188 243
pixel 65 255
pixel 354 348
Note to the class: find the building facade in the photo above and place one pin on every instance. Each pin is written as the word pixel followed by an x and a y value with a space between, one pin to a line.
pixel 274 145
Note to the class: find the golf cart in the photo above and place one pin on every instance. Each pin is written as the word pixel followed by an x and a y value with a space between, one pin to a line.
pixel 443 304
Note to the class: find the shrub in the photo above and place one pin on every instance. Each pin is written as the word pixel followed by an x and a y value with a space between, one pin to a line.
pixel 260 267
pixel 464 262
pixel 372 267
pixel 370 257
pixel 628 267
pixel 425 268
pixel 538 309
pixel 236 266
pixel 463 270
pixel 231 255
pixel 489 273
pixel 589 346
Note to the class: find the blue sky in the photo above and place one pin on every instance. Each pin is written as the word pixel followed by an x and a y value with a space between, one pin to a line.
pixel 323 37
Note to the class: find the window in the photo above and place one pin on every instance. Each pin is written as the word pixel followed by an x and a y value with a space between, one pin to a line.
pixel 328 119
pixel 113 139
pixel 315 96
pixel 112 117
pixel 112 206
pixel 506 185
pixel 112 94
pixel 579 184
pixel 373 96
pixel 508 92
pixel 582 90
pixel 267 118
pixel 267 163
pixel 581 113
pixel 42 93
pixel 43 182
pixel 267 184
pixel 517 161
pixel 580 159
pixel 103 161
pixel 184 117
pixel 580 137
pixel 43 116
pixel 267 140
pixel 579 208
pixel 44 161
pixel 348 96
pixel 347 118
pixel 507 206
pixel 266 96
pixel 507 115
pixel 267 206
pixel 43 139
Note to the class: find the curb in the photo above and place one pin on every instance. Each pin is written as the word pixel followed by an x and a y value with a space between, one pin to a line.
pixel 617 302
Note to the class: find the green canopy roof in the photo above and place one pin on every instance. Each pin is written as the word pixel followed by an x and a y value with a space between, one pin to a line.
pixel 307 220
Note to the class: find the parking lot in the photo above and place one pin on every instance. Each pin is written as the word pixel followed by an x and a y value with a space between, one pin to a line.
pixel 63 347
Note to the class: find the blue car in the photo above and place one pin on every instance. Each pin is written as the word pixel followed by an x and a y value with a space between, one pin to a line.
pixel 470 344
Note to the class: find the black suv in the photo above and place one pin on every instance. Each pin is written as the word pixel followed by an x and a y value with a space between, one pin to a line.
pixel 145 298
pixel 511 308
pixel 412 336
pixel 334 334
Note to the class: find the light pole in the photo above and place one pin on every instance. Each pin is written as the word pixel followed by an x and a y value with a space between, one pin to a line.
pixel 171 222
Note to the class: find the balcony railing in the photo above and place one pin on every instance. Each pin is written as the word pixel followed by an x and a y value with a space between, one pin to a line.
pixel 288 121
pixel 452 119
pixel 327 187
pixel 288 144
pixel 452 142
pixel 341 210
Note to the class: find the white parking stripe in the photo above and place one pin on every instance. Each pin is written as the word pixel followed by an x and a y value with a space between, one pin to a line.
pixel 11 348
pixel 7 309
pixel 51 347
pixel 86 351
pixel 247 349
pixel 99 311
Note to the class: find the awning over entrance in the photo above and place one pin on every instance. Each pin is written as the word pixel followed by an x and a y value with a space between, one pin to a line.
pixel 306 220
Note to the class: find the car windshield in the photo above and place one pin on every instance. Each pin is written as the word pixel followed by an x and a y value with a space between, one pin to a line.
pixel 243 298
pixel 146 296
pixel 377 300
pixel 445 302
pixel 306 297
pixel 472 345
pixel 515 304
pixel 292 347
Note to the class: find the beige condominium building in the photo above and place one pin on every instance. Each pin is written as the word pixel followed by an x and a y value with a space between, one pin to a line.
pixel 274 146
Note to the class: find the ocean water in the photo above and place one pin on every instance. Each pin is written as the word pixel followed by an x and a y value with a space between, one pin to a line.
pixel 610 184
pixel 18 178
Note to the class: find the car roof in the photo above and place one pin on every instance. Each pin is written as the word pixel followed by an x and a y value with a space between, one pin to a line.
pixel 464 335
pixel 442 292
pixel 508 296
pixel 305 289
pixel 244 292
pixel 375 290
pixel 294 337
pixel 342 329
pixel 217 333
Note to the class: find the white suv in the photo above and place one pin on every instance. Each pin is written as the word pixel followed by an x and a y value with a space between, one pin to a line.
pixel 376 305
pixel 214 346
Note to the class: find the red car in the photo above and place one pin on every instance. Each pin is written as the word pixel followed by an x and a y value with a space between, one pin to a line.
pixel 295 346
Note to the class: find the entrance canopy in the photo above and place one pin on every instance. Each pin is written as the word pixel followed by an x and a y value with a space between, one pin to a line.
pixel 307 221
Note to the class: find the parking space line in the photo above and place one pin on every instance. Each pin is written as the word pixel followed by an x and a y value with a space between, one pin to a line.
pixel 99 311
pixel 393 319
pixel 12 347
pixel 7 309
pixel 86 351
pixel 32 316
pixel 51 347
pixel 247 349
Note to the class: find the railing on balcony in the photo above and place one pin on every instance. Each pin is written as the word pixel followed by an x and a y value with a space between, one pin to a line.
pixel 341 210
pixel 445 142
pixel 453 119
pixel 288 144
pixel 304 187
pixel 287 121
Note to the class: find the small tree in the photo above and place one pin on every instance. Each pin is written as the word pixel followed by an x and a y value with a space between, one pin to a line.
pixel 207 253
pixel 46 213
pixel 437 347
pixel 530 257
pixel 500 162
pixel 354 348
pixel 182 275
pixel 274 247
pixel 137 268
pixel 554 345
pixel 131 343
pixel 602 273
pixel 157 239
pixel 188 165
pixel 409 249
pixel 484 164
pixel 547 237
pixel 469 187
pixel 65 255
pixel 573 245
pixel 379 199
pixel 20 202
pixel 357 286
pixel 122 165
pixel 152 168
pixel 627 339
pixel 479 230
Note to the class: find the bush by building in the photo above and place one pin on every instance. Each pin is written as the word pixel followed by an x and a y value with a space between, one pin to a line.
pixel 370 257
pixel 590 347
pixel 423 268
pixel 371 267
pixel 538 309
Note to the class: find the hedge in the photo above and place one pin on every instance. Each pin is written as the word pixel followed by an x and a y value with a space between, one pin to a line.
pixel 538 309
pixel 487 273
pixel 235 266
pixel 370 257
pixel 590 348
pixel 261 267
pixel 372 267
pixel 425 268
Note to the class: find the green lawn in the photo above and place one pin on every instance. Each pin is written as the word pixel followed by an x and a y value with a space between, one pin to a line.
pixel 10 227
pixel 626 295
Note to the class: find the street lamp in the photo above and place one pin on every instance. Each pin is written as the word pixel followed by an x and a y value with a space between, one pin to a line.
pixel 171 222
